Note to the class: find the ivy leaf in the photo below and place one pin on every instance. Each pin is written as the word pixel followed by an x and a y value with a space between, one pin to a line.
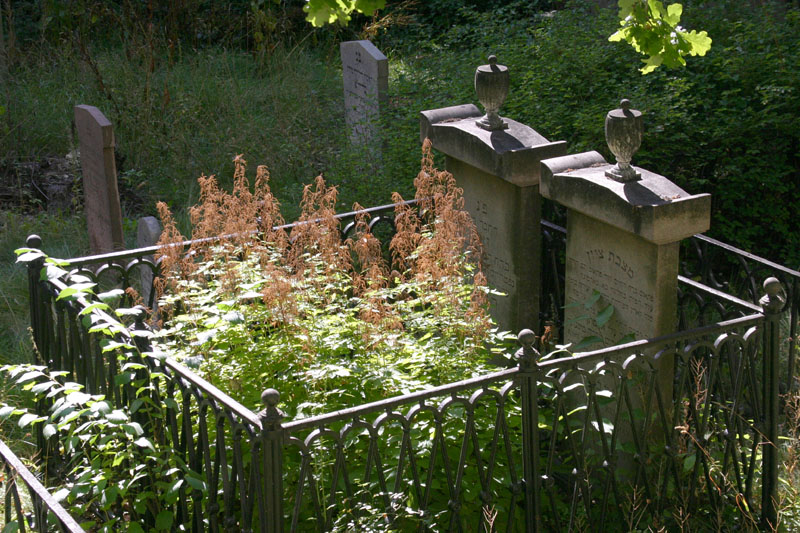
pixel 585 342
pixel 144 443
pixel 164 520
pixel 116 416
pixel 49 430
pixel 50 272
pixel 28 255
pixel 111 296
pixel 368 7
pixel 673 16
pixel 322 12
pixel 28 419
pixel 699 41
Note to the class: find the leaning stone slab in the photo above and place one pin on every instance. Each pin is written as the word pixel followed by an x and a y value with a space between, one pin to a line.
pixel 101 196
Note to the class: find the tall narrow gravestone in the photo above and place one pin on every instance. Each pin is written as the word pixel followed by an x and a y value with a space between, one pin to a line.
pixel 624 227
pixel 496 161
pixel 365 73
pixel 101 196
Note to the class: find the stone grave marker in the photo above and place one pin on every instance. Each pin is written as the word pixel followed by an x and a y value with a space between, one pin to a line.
pixel 148 232
pixel 365 74
pixel 624 227
pixel 101 196
pixel 496 161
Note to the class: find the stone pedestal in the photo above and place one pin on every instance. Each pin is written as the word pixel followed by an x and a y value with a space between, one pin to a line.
pixel 622 242
pixel 499 172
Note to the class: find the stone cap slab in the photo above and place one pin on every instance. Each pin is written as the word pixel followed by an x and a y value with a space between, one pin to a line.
pixel 653 208
pixel 513 154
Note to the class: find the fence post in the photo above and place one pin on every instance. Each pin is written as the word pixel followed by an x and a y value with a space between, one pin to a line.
pixel 271 502
pixel 772 304
pixel 34 299
pixel 528 356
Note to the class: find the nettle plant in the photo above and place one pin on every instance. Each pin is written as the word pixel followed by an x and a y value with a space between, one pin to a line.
pixel 110 474
pixel 329 323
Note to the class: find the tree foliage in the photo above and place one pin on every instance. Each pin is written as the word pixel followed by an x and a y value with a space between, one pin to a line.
pixel 321 12
pixel 654 31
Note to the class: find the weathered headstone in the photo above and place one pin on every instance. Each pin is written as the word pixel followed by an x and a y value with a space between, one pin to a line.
pixel 365 73
pixel 148 232
pixel 624 227
pixel 496 162
pixel 101 196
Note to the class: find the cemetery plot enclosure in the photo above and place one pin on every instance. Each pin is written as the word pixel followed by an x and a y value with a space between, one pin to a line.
pixel 549 444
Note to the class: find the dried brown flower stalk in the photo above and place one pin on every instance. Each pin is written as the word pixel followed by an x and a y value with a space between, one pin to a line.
pixel 229 227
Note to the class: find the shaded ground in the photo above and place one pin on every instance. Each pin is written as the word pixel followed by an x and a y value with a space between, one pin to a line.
pixel 53 184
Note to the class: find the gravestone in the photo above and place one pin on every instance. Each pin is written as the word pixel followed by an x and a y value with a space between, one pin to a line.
pixel 365 75
pixel 101 196
pixel 624 227
pixel 148 232
pixel 496 161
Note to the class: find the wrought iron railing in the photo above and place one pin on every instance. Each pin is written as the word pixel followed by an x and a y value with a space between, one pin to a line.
pixel 39 511
pixel 462 452
pixel 717 282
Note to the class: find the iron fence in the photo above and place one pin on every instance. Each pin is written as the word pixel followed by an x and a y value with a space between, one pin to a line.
pixel 40 511
pixel 585 430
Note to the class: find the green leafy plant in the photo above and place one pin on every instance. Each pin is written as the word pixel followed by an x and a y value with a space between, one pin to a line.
pixel 322 12
pixel 111 475
pixel 333 322
pixel 654 31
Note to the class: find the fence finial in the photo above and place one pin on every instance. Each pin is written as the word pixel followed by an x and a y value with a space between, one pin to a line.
pixel 528 354
pixel 774 298
pixel 271 416
pixel 34 241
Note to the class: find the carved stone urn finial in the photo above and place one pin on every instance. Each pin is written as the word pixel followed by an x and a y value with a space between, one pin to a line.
pixel 491 84
pixel 624 128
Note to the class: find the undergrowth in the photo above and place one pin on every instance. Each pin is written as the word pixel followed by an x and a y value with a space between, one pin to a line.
pixel 329 321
